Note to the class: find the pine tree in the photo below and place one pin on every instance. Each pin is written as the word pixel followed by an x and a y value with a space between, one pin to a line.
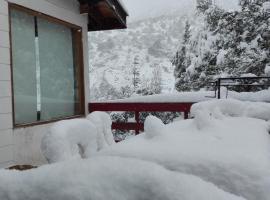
pixel 135 74
pixel 156 81
pixel 203 5
pixel 181 60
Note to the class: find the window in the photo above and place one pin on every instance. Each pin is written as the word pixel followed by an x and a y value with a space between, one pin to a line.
pixel 46 68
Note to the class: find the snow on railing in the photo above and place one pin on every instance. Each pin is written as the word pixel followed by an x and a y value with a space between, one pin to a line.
pixel 137 108
pixel 245 83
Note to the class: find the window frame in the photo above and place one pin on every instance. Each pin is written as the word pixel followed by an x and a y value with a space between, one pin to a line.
pixel 77 34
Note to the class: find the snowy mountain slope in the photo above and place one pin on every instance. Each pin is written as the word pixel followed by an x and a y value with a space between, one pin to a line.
pixel 154 41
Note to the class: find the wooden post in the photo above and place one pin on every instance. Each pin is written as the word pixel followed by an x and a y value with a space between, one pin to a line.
pixel 218 85
pixel 186 115
pixel 137 119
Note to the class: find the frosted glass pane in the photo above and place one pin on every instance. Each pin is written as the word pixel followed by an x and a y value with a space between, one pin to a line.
pixel 57 83
pixel 24 67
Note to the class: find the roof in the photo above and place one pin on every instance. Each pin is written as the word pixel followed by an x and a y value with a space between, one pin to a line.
pixel 104 14
pixel 123 6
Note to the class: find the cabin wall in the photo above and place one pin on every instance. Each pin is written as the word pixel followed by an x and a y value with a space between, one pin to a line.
pixel 22 146
pixel 6 133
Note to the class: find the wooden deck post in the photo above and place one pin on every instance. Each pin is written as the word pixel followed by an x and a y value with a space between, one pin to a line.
pixel 137 119
pixel 186 115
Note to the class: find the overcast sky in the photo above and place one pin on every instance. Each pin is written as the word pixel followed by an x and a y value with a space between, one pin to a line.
pixel 143 8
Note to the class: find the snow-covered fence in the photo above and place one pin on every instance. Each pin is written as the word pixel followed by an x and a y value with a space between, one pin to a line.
pixel 137 108
pixel 245 83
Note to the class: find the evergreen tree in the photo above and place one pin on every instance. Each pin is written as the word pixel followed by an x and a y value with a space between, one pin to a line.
pixel 230 43
pixel 181 60
pixel 203 5
pixel 135 74
pixel 156 81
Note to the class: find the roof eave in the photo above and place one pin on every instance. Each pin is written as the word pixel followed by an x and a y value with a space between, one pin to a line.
pixel 104 14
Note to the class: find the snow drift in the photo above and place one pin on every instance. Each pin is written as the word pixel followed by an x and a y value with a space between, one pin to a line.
pixel 104 178
pixel 230 152
pixel 223 153
pixel 234 108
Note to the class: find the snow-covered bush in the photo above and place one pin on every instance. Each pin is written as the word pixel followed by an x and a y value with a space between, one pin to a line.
pixel 70 139
pixel 267 69
pixel 103 123
pixel 77 138
pixel 153 127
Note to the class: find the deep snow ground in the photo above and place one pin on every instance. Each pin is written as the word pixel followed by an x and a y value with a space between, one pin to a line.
pixel 223 153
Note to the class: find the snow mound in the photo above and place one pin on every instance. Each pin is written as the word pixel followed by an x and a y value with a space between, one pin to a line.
pixel 70 139
pixel 202 119
pixel 104 178
pixel 230 152
pixel 103 123
pixel 233 108
pixel 266 6
pixel 221 154
pixel 153 127
pixel 260 96
pixel 267 67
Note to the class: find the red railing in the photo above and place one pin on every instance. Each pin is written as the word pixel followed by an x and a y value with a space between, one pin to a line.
pixel 137 108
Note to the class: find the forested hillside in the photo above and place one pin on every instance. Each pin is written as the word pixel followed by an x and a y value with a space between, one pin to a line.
pixel 136 60
pixel 223 43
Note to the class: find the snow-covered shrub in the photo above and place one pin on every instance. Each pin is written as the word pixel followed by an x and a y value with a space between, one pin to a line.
pixel 70 139
pixel 77 138
pixel 153 127
pixel 103 123
pixel 202 119
pixel 267 68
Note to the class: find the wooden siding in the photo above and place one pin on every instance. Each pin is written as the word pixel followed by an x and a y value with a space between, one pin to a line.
pixel 22 145
pixel 6 132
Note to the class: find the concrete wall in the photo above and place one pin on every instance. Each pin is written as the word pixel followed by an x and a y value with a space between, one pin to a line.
pixel 22 146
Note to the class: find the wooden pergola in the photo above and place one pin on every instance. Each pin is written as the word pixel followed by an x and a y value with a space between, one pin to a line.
pixel 104 14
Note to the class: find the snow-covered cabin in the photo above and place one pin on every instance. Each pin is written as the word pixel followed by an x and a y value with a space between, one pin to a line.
pixel 44 73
